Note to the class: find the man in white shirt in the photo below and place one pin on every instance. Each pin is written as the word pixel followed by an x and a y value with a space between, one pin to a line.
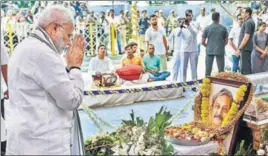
pixel 202 21
pixel 43 92
pixel 4 95
pixel 189 46
pixel 156 35
pixel 176 62
pixel 101 64
pixel 233 42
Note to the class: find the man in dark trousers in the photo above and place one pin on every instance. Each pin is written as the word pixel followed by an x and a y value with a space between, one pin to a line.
pixel 245 41
pixel 217 37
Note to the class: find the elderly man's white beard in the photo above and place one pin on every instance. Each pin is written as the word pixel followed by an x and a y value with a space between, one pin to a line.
pixel 59 44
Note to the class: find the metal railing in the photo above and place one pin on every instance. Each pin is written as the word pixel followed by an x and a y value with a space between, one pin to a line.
pixel 94 35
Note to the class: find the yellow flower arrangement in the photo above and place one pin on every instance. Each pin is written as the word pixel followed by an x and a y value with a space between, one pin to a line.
pixel 206 81
pixel 239 96
pixel 205 91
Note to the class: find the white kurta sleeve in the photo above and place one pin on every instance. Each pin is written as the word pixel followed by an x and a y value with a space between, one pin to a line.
pixel 66 89
pixel 111 66
pixel 4 55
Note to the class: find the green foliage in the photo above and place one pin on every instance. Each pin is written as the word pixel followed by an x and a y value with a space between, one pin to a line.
pixel 265 135
pixel 138 122
pixel 242 150
pixel 154 134
pixel 157 125
pixel 101 145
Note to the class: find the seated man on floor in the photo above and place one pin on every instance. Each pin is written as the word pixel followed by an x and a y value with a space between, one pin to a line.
pixel 101 64
pixel 152 65
pixel 134 46
pixel 130 73
pixel 131 58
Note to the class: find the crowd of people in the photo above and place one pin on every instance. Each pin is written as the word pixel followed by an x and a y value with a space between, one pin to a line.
pixel 245 42
pixel 122 22
pixel 43 92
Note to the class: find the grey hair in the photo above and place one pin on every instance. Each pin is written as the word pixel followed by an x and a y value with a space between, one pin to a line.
pixel 55 14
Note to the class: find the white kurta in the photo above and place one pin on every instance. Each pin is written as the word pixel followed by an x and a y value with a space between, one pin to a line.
pixel 100 65
pixel 42 99
pixel 4 61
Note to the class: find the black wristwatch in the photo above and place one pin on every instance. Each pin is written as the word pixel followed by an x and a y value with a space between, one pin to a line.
pixel 72 68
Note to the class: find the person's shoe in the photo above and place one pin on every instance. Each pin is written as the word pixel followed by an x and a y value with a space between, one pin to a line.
pixel 194 89
pixel 184 89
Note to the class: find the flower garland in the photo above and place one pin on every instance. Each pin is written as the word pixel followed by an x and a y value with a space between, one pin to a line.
pixel 239 96
pixel 96 119
pixel 205 91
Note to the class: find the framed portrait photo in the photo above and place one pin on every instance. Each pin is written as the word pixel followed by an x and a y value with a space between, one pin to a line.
pixel 222 95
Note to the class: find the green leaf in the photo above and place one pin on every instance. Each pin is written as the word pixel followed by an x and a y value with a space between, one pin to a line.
pixel 128 123
pixel 170 148
pixel 140 121
pixel 132 115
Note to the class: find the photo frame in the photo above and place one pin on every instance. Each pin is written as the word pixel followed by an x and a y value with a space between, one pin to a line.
pixel 221 94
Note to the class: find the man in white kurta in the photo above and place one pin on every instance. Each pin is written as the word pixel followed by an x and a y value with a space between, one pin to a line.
pixel 4 95
pixel 43 92
pixel 101 63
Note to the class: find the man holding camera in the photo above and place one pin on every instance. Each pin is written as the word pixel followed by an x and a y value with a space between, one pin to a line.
pixel 188 35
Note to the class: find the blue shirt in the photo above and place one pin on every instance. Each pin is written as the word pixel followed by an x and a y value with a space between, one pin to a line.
pixel 151 63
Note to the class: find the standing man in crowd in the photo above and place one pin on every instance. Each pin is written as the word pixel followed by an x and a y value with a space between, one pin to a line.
pixel 4 96
pixel 189 47
pixel 43 91
pixel 233 42
pixel 156 35
pixel 143 26
pixel 176 60
pixel 245 41
pixel 171 21
pixel 121 32
pixel 161 19
pixel 202 21
pixel 217 37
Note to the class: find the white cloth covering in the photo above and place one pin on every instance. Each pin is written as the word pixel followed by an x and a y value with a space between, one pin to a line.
pixel 128 97
pixel 206 149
